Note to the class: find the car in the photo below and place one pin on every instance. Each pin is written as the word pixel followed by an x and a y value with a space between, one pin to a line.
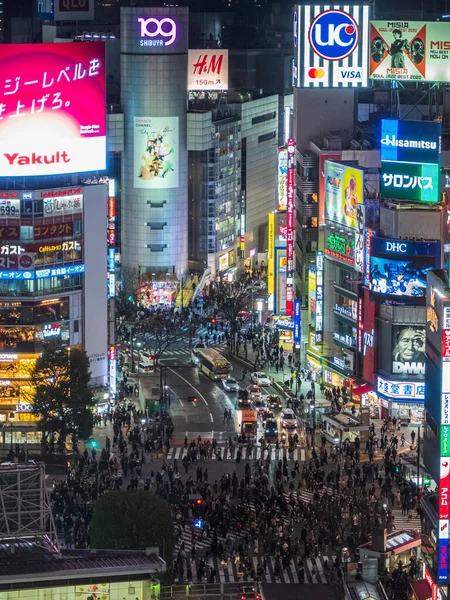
pixel 244 399
pixel 288 418
pixel 254 391
pixel 259 404
pixel 260 284
pixel 260 378
pixel 230 385
pixel 274 402
pixel 271 428
pixel 248 593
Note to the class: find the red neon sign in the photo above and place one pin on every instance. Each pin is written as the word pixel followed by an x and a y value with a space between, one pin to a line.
pixel 290 229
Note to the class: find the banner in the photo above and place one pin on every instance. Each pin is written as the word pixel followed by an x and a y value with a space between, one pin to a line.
pixel 270 254
pixel 409 51
pixel 156 152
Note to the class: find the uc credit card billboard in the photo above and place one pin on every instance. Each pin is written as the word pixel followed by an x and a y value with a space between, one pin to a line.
pixel 409 50
pixel 52 109
pixel 331 45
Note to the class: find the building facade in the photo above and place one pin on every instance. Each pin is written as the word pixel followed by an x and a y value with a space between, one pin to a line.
pixel 154 210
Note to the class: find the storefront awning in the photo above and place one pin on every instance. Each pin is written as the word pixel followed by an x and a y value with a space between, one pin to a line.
pixel 362 389
pixel 421 590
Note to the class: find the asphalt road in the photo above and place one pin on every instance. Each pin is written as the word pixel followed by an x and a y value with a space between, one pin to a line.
pixel 206 416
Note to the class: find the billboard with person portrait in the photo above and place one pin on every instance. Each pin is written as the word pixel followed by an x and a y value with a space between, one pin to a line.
pixel 408 350
pixel 409 51
pixel 344 188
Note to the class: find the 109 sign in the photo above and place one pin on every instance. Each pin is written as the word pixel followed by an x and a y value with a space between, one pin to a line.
pixel 165 29
pixel 334 35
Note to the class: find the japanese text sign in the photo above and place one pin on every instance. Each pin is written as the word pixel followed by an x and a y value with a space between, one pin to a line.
pixel 52 109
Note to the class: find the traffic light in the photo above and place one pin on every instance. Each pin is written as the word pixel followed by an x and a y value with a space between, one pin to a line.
pixel 213 321
pixel 93 444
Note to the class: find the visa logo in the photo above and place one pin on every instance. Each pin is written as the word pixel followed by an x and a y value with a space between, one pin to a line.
pixel 349 74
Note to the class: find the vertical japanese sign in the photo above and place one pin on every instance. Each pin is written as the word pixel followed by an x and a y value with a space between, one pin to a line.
pixel 112 370
pixel 290 207
pixel 359 238
pixel 319 298
pixel 282 178
pixel 52 109
pixel 297 322
pixel 271 254
pixel 444 480
pixel 111 247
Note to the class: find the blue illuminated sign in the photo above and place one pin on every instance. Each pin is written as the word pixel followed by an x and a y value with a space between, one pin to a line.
pixel 60 271
pixel 390 246
pixel 16 275
pixel 297 321
pixel 199 524
pixel 442 570
pixel 111 259
pixel 333 35
pixel 410 141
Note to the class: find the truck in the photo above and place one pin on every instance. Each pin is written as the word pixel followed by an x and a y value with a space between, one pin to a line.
pixel 248 423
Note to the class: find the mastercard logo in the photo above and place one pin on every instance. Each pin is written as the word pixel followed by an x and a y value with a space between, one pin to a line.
pixel 316 73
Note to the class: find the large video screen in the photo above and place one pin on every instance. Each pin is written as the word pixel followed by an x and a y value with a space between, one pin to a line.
pixel 52 109
pixel 403 277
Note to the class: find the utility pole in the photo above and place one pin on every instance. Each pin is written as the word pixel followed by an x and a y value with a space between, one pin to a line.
pixel 418 456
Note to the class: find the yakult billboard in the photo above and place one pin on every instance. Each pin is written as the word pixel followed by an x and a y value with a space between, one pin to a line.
pixel 52 109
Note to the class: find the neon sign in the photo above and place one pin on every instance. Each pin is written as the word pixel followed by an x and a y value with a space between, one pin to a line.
pixel 157 28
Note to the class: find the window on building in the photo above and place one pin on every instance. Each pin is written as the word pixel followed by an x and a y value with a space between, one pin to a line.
pixel 266 136
pixel 262 118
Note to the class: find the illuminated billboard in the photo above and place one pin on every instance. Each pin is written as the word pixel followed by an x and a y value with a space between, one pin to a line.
pixel 65 10
pixel 343 193
pixel 409 51
pixel 399 268
pixel 290 226
pixel 52 109
pixel 335 156
pixel 410 181
pixel 156 152
pixel 331 46
pixel 410 159
pixel 410 141
pixel 412 390
pixel 282 178
pixel 207 70
pixel 408 350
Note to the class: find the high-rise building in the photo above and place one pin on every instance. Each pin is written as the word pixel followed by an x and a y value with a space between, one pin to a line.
pixel 154 210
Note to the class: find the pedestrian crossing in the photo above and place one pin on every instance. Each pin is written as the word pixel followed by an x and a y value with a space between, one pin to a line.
pixel 187 352
pixel 257 453
pixel 266 569
pixel 402 522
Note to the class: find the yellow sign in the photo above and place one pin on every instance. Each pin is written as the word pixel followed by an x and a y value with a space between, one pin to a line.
pixel 344 189
pixel 270 254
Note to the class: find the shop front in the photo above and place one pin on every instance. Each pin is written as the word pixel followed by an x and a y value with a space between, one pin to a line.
pixel 366 397
pixel 403 400
pixel 157 293
pixel 285 329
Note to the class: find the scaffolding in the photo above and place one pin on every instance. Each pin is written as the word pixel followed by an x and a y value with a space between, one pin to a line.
pixel 25 509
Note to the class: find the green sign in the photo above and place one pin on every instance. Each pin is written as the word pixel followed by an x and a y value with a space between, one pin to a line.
pixel 410 181
pixel 341 245
pixel 445 443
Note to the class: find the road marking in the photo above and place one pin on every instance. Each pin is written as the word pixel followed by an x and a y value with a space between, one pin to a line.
pixel 189 384
pixel 211 417
pixel 302 455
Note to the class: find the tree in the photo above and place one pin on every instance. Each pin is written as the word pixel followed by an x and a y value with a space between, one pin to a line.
pixel 133 520
pixel 161 329
pixel 228 300
pixel 62 399
pixel 127 295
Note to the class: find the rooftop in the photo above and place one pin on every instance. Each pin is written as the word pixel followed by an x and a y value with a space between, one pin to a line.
pixel 37 562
